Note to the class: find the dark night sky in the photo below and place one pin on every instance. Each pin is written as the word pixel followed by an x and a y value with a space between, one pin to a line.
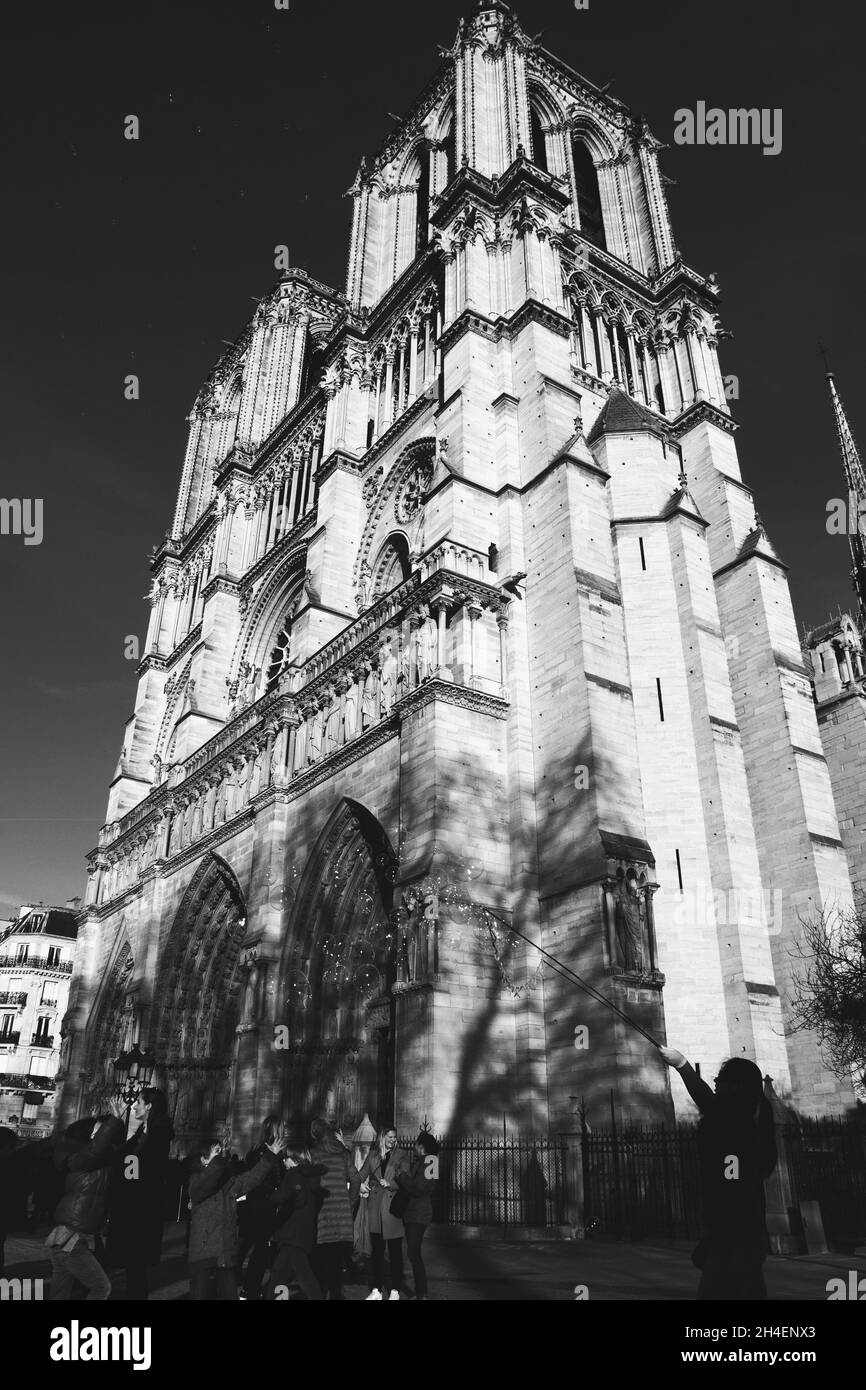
pixel 141 257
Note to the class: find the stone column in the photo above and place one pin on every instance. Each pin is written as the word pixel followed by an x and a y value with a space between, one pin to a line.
pixel 502 624
pixel 605 367
pixel 635 373
pixel 474 610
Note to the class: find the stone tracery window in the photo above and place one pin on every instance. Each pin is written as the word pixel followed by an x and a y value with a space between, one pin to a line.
pixel 281 655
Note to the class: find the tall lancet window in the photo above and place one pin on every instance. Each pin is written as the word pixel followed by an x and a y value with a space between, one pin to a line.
pixel 280 656
pixel 422 210
pixel 539 144
pixel 451 149
pixel 588 199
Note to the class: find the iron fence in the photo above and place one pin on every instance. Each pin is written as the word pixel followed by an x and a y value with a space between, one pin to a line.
pixel 642 1181
pixel 503 1182
pixel 827 1164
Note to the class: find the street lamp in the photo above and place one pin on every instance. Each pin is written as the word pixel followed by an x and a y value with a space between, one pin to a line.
pixel 133 1071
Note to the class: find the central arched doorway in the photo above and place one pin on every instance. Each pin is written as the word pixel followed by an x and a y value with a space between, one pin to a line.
pixel 335 1003
pixel 198 1002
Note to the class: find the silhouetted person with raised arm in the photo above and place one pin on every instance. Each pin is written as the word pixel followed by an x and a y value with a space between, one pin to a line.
pixel 737 1153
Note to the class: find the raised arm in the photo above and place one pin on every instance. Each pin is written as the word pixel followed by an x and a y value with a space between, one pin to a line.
pixel 697 1088
pixel 267 1165
pixel 97 1154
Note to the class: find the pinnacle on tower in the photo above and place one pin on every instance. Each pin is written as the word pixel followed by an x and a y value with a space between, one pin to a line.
pixel 856 481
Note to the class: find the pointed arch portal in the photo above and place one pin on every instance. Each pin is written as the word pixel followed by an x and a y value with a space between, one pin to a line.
pixel 336 976
pixel 197 1003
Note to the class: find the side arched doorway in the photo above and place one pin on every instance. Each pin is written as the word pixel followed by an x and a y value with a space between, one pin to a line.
pixel 197 1005
pixel 335 1000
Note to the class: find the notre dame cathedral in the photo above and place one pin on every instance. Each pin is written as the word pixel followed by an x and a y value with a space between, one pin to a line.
pixel 463 586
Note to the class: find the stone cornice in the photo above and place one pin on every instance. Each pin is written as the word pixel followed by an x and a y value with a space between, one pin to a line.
pixel 808 753
pixel 221 584
pixel 744 560
pixel 604 588
pixel 613 686
pixel 699 412
pixel 719 723
pixel 154 661
pixel 518 490
pixel 664 517
pixel 531 311
pixel 494 195
pixel 182 648
pixel 340 461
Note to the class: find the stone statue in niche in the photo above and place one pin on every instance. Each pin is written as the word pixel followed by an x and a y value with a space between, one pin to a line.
pixel 349 691
pixel 631 936
pixel 426 645
pixel 362 593
pixel 388 674
pixel 314 735
pixel 369 696
pixel 333 720
pixel 417 950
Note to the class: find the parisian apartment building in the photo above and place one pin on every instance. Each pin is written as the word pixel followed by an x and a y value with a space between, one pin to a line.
pixel 36 957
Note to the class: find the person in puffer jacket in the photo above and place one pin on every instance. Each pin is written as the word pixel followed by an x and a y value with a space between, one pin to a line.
pixel 85 1153
pixel 213 1231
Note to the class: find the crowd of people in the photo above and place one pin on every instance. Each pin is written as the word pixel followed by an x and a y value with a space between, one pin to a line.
pixel 288 1221
pixel 293 1220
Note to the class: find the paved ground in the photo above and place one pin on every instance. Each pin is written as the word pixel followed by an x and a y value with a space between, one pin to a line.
pixel 519 1270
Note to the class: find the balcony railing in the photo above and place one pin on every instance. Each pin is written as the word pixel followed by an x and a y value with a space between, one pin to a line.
pixel 42 1040
pixel 63 967
pixel 17 1081
pixel 9 1039
pixel 6 998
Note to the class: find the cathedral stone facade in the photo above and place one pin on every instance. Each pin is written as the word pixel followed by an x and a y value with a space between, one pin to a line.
pixel 463 587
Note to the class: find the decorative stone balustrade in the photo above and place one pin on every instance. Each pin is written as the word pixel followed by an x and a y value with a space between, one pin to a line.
pixel 444 623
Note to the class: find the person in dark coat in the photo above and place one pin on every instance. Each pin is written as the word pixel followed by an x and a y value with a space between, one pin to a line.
pixel 213 1231
pixel 10 1187
pixel 293 1205
pixel 136 1204
pixel 420 1182
pixel 379 1172
pixel 737 1154
pixel 340 1185
pixel 84 1153
pixel 256 1216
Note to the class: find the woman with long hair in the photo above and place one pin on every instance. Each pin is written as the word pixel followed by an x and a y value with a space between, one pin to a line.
pixel 256 1215
pixel 420 1183
pixel 738 1153
pixel 379 1174
pixel 136 1204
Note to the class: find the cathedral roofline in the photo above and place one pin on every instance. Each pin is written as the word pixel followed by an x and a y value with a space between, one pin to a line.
pixel 621 414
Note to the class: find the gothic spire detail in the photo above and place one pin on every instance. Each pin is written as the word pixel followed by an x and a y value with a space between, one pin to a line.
pixel 856 481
